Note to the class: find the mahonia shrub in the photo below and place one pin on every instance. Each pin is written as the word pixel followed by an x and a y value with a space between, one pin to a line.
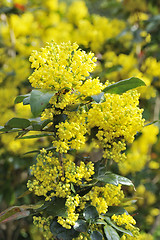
pixel 80 197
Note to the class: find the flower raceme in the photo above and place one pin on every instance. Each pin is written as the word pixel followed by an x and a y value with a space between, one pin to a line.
pixel 109 123
pixel 66 69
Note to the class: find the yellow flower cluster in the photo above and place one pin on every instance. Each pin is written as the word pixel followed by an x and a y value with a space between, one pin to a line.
pixel 60 66
pixel 139 153
pixel 53 176
pixel 124 219
pixel 71 133
pixel 44 225
pixel 72 216
pixel 118 119
pixel 103 197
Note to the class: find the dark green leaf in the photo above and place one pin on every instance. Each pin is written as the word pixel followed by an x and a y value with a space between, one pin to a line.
pixel 39 100
pixel 57 207
pixel 37 136
pixel 73 107
pixel 108 220
pixel 109 178
pixel 59 118
pixel 101 175
pixel 85 189
pixel 62 233
pixel 110 233
pixel 20 98
pixel 38 126
pixel 17 123
pixel 115 210
pixel 90 212
pixel 124 85
pixel 80 226
pixel 72 188
pixel 35 151
pixel 96 235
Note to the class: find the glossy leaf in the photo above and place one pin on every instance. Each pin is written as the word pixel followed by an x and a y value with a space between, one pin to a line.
pixel 111 233
pixel 109 177
pixel 56 207
pixel 39 100
pixel 124 181
pixel 38 126
pixel 17 123
pixel 90 212
pixel 62 233
pixel 80 226
pixel 115 210
pixel 96 235
pixel 124 85
pixel 20 98
pixel 101 175
pixel 26 101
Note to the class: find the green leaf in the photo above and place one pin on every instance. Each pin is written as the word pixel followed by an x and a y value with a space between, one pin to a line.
pixel 39 100
pixel 115 210
pixel 80 226
pixel 38 126
pixel 38 150
pixel 56 207
pixel 96 235
pixel 20 98
pixel 59 118
pixel 109 178
pixel 62 233
pixel 90 213
pixel 97 98
pixel 26 101
pixel 101 175
pixel 100 222
pixel 17 123
pixel 110 233
pixel 72 188
pixel 3 129
pixel 125 181
pixel 108 220
pixel 85 189
pixel 37 136
pixel 124 85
